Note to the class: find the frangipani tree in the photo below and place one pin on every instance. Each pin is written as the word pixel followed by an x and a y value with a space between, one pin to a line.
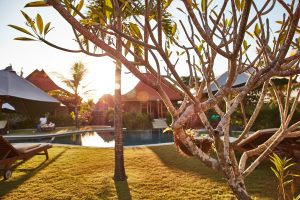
pixel 239 32
pixel 106 16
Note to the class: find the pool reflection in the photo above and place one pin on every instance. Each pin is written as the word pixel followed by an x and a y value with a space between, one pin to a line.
pixel 95 139
pixel 106 139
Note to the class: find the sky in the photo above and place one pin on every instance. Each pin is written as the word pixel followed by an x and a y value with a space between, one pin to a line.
pixel 37 55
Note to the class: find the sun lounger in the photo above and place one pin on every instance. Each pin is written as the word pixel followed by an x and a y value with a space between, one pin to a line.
pixel 48 127
pixel 288 147
pixel 10 153
pixel 3 127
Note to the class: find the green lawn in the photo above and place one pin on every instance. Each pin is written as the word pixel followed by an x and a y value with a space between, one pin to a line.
pixel 153 173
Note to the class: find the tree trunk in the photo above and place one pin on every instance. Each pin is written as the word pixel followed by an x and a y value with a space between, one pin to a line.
pixel 119 155
pixel 240 192
pixel 76 117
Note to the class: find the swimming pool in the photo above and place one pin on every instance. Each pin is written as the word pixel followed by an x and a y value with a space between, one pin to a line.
pixel 99 138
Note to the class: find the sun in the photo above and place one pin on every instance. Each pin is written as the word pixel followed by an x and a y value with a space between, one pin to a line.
pixel 101 78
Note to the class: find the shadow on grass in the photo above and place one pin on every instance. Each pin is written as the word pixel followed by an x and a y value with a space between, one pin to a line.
pixel 123 191
pixel 175 160
pixel 257 183
pixel 7 186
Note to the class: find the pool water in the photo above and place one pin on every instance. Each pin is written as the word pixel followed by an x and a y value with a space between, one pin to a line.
pixel 106 139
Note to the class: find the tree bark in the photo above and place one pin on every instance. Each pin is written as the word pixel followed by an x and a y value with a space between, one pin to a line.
pixel 119 155
pixel 76 117
pixel 240 192
pixel 120 174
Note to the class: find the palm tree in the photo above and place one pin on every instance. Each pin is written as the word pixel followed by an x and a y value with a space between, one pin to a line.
pixel 77 72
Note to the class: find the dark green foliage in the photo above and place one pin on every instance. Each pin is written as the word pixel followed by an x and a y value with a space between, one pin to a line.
pixel 62 120
pixel 136 121
pixel 24 124
pixel 169 119
pixel 267 118
pixel 186 80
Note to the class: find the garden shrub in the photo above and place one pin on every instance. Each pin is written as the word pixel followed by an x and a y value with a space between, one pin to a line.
pixel 67 120
pixel 136 121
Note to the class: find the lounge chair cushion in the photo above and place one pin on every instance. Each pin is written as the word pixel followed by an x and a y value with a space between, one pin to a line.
pixel 25 147
pixel 3 124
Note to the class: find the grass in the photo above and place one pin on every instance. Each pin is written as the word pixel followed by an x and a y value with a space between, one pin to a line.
pixel 57 130
pixel 153 173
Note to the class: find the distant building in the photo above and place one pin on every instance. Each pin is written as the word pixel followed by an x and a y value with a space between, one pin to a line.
pixel 102 107
pixel 144 99
pixel 41 80
pixel 141 99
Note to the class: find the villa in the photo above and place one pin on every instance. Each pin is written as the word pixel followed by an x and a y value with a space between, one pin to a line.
pixel 146 100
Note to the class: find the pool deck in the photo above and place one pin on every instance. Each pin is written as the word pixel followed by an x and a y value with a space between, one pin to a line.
pixel 126 147
pixel 106 129
pixel 50 135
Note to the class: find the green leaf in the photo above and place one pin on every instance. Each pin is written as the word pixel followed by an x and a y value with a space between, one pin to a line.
pixel 127 45
pixel 238 5
pixel 197 38
pixel 257 30
pixel 203 5
pixel 288 166
pixel 297 197
pixel 78 7
pixel 287 182
pixel 295 175
pixel 251 35
pixel 29 20
pixel 36 4
pixel 275 172
pixel 167 129
pixel 174 28
pixel 24 39
pixel 298 40
pixel 68 5
pixel 135 29
pixel 200 48
pixel 242 4
pixel 214 12
pixel 108 8
pixel 124 6
pixel 167 3
pixel 245 44
pixel 282 36
pixel 20 29
pixel 229 22
pixel 46 29
pixel 180 10
pixel 40 23
pixel 209 3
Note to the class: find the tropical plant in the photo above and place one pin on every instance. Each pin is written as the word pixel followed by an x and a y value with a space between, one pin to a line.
pixel 78 73
pixel 136 121
pixel 85 112
pixel 284 176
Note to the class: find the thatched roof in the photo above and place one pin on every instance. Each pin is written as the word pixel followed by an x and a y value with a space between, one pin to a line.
pixel 142 92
